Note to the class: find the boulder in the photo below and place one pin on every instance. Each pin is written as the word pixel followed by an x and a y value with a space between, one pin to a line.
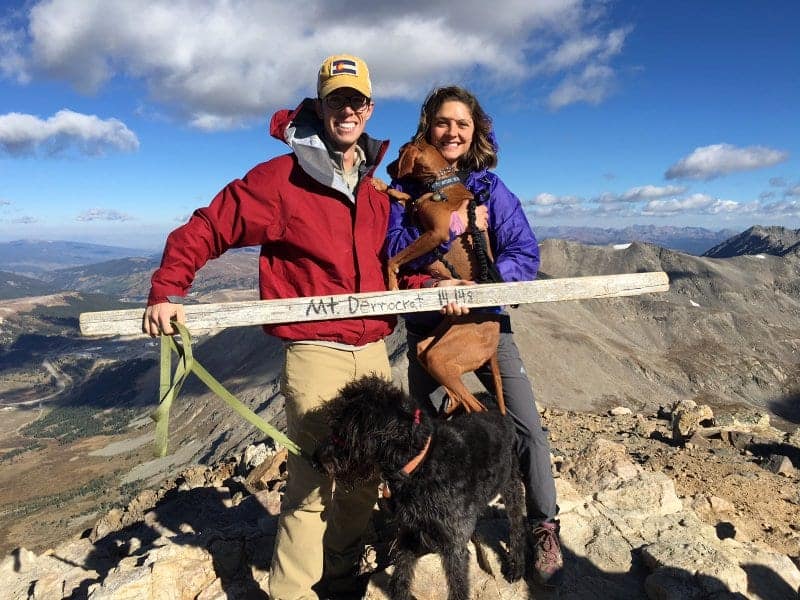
pixel 688 417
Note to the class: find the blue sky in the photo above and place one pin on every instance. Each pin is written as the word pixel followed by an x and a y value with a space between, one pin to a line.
pixel 118 118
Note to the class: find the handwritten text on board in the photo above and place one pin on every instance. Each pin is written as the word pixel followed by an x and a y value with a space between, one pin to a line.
pixel 354 306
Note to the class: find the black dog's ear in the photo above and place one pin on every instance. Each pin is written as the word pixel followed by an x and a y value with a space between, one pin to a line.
pixel 420 422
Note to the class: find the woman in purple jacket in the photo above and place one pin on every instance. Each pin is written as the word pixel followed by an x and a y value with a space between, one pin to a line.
pixel 453 121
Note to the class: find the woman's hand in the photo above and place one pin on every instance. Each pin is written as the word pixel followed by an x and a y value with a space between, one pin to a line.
pixel 453 309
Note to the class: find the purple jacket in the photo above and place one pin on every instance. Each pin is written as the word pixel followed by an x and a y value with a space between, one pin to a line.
pixel 513 243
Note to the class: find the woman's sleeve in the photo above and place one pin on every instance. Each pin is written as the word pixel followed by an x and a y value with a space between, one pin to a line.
pixel 516 248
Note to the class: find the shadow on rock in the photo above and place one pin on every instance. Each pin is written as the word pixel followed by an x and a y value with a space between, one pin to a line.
pixel 787 408
pixel 764 583
pixel 200 538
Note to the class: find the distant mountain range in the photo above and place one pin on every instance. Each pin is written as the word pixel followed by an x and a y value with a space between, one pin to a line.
pixel 40 267
pixel 35 257
pixel 691 240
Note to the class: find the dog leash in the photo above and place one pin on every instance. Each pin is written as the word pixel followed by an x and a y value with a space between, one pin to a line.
pixel 171 384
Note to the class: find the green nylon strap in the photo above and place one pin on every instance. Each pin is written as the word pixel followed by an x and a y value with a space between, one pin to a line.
pixel 170 386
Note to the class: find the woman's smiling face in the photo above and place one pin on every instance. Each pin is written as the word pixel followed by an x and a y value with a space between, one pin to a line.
pixel 452 130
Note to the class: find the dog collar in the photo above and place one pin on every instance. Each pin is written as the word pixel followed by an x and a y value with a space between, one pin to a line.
pixel 442 183
pixel 385 491
pixel 414 462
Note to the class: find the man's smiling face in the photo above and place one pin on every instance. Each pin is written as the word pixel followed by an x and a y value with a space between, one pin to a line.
pixel 345 125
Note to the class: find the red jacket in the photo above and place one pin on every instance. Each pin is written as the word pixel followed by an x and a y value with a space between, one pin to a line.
pixel 315 238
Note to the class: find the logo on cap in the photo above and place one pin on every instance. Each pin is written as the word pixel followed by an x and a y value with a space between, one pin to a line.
pixel 344 66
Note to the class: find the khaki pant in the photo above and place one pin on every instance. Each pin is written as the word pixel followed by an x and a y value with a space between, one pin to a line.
pixel 318 530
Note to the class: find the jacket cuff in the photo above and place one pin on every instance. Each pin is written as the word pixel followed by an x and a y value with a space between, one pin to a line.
pixel 158 296
pixel 416 281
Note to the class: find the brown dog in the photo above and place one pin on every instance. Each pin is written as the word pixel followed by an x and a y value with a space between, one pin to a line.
pixel 459 344
pixel 422 162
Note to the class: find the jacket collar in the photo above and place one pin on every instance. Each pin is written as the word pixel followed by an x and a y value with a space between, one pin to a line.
pixel 301 129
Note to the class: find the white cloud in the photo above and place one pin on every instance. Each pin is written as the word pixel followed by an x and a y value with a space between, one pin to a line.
pixel 793 191
pixel 642 193
pixel 218 64
pixel 548 205
pixel 708 162
pixel 701 204
pixel 12 62
pixel 545 199
pixel 592 86
pixel 582 48
pixel 88 134
pixel 777 182
pixel 103 214
pixel 785 208
pixel 695 202
pixel 651 192
pixel 5 202
pixel 24 220
pixel 613 207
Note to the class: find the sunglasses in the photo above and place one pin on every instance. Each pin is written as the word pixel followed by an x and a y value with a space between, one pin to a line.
pixel 337 102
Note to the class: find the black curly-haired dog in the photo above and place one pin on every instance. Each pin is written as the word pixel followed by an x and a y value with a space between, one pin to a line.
pixel 441 475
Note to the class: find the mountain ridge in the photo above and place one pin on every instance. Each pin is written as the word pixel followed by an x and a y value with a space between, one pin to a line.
pixel 35 257
pixel 692 240
pixel 778 241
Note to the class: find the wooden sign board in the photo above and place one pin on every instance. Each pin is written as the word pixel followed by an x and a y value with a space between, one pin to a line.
pixel 203 317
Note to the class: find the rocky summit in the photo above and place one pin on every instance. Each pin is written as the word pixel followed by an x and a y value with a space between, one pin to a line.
pixel 684 503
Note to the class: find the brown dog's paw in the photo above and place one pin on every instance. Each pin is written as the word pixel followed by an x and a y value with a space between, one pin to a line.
pixel 379 184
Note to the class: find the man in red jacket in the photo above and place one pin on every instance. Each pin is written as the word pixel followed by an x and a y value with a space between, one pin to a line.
pixel 321 226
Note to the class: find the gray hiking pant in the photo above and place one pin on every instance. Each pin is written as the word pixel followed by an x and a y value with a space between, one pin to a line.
pixel 532 444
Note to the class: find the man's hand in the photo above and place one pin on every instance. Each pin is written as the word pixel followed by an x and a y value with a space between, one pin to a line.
pixel 158 316
pixel 453 309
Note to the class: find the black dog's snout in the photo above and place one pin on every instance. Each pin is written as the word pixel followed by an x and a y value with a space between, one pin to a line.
pixel 323 458
pixel 316 463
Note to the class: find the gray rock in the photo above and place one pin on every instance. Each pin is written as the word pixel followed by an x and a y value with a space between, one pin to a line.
pixel 782 465
pixel 793 438
pixel 688 417
pixel 254 455
pixel 745 421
